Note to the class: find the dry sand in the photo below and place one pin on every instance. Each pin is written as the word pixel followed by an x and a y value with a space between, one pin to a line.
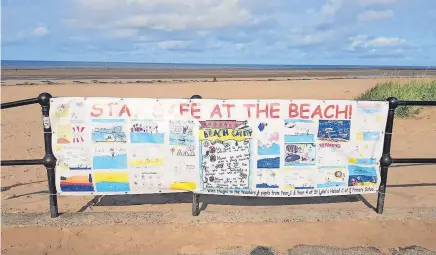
pixel 162 224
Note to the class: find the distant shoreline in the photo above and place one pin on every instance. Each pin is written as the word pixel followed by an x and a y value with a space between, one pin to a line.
pixel 111 73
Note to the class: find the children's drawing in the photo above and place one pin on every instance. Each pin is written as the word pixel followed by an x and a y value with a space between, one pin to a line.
pixel 332 176
pixel 110 157
pixel 112 181
pixel 225 154
pixel 266 179
pixel 299 178
pixel 76 183
pixel 147 156
pixel 269 145
pixel 182 132
pixel 299 154
pixel 273 162
pixel 300 131
pixel 108 131
pixel 362 175
pixel 147 131
pixel 64 134
pixel 368 136
pixel 334 130
pixel 78 133
pixel 71 110
pixel 331 154
pixel 142 181
pixel 73 158
pixel 182 150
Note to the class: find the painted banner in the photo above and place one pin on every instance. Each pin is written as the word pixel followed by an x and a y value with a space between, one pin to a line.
pixel 274 148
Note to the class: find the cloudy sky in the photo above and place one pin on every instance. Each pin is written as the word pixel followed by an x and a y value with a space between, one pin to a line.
pixel 340 32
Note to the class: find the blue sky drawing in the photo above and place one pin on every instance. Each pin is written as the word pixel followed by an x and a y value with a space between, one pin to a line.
pixel 365 32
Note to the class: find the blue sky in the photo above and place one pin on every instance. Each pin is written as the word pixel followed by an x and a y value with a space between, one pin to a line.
pixel 339 32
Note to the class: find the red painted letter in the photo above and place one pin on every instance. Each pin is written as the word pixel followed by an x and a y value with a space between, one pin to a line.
pixel 183 108
pixel 216 110
pixel 341 112
pixel 317 112
pixel 293 110
pixel 98 109
pixel 194 110
pixel 326 115
pixel 228 106
pixel 273 110
pixel 259 111
pixel 110 108
pixel 304 108
pixel 248 106
pixel 125 109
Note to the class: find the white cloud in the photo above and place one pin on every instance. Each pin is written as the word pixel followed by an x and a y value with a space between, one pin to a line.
pixel 172 45
pixel 40 31
pixel 377 2
pixel 124 33
pixel 373 15
pixel 167 15
pixel 363 41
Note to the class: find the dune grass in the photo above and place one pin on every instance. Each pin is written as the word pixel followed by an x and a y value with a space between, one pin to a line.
pixel 411 90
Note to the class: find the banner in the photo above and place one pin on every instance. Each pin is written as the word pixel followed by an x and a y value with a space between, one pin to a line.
pixel 274 148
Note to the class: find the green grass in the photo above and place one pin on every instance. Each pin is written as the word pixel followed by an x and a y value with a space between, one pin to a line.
pixel 411 90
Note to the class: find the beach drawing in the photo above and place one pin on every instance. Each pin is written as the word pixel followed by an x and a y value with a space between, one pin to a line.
pixel 300 154
pixel 269 145
pixel 362 175
pixel 73 158
pixel 334 130
pixel 181 132
pixel 64 134
pixel 72 110
pixel 109 157
pixel 147 156
pixel 299 131
pixel 296 178
pixel 108 131
pixel 147 131
pixel 112 181
pixel 76 183
pixel 332 176
pixel 331 154
pixel 266 179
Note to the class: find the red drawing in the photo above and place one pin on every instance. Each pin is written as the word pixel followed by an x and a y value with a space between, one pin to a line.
pixel 78 134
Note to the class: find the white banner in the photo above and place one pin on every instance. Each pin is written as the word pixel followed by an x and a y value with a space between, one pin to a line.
pixel 274 148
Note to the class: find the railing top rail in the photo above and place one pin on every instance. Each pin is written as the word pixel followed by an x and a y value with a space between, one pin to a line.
pixel 19 103
pixel 422 103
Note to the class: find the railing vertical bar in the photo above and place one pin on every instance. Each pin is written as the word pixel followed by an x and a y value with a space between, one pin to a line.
pixel 386 159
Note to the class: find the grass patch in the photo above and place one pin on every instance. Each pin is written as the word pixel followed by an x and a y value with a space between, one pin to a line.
pixel 412 90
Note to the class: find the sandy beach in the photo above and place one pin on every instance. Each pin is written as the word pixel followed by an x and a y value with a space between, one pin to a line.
pixel 162 224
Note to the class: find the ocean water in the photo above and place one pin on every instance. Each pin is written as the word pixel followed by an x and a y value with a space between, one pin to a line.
pixel 79 64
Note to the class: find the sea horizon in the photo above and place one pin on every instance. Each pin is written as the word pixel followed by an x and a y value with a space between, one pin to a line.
pixel 46 64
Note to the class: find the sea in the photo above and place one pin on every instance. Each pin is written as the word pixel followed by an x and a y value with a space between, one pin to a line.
pixel 80 64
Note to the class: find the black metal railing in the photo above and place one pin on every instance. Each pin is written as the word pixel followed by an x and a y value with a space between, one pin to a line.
pixel 49 160
pixel 386 159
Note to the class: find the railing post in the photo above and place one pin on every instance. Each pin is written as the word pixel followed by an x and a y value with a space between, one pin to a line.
pixel 195 197
pixel 49 159
pixel 386 159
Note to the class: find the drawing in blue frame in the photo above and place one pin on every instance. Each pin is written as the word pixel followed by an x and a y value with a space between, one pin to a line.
pixel 300 154
pixel 299 131
pixel 108 131
pixel 273 162
pixel 334 130
pixel 362 175
pixel 113 160
pixel 146 131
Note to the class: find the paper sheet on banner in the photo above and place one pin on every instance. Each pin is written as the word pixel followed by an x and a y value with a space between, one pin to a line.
pixel 231 147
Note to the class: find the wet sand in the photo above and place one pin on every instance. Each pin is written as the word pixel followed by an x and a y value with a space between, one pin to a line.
pixel 225 224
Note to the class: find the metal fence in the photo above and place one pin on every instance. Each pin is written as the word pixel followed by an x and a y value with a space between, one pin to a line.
pixel 49 160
